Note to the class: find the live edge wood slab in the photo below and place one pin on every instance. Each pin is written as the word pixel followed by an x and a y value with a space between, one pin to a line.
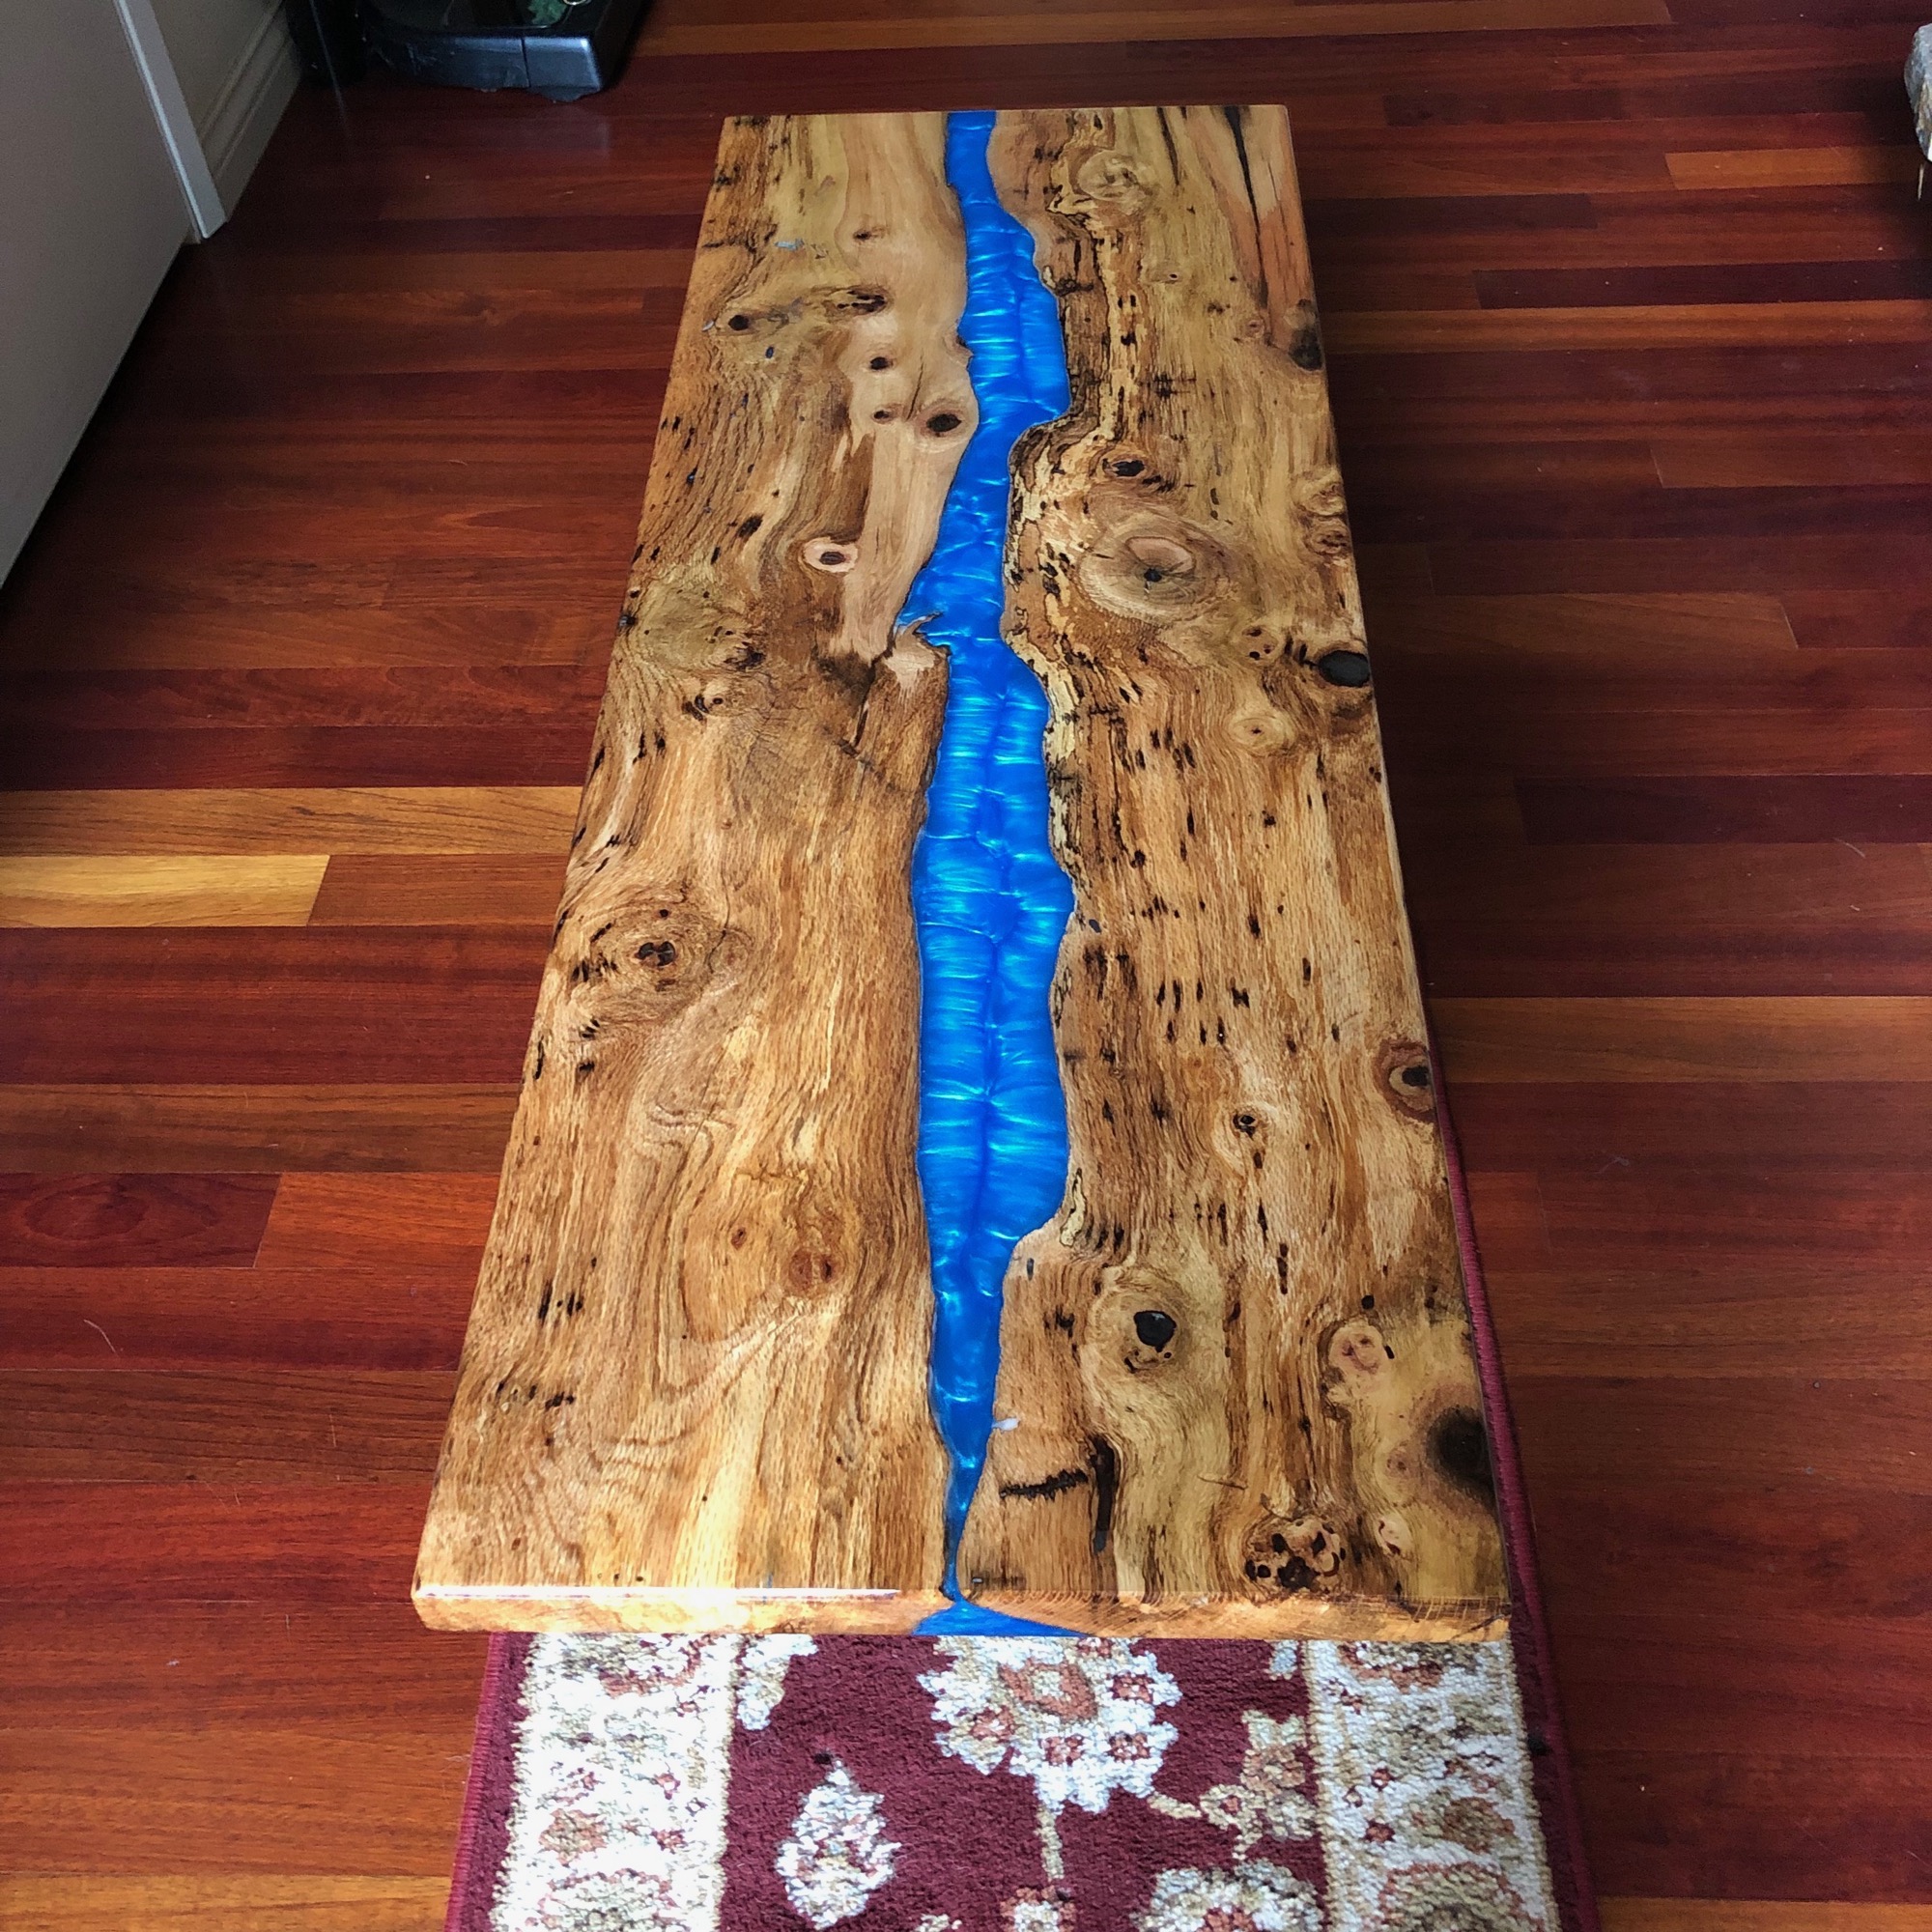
pixel 1235 1382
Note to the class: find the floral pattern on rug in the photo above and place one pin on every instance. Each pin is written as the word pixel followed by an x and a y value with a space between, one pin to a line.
pixel 1018 1784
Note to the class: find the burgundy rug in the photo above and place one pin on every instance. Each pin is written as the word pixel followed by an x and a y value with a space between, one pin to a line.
pixel 1015 1785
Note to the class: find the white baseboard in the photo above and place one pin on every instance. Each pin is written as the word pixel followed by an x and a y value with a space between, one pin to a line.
pixel 258 88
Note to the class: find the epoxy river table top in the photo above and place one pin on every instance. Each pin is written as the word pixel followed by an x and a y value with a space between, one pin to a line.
pixel 1234 1392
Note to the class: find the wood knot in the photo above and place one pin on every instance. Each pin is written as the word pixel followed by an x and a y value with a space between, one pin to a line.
pixel 1457 1447
pixel 1155 1327
pixel 1359 1357
pixel 1283 1554
pixel 806 1269
pixel 1322 514
pixel 751 324
pixel 1155 568
pixel 1109 176
pixel 831 554
pixel 1348 668
pixel 1304 340
pixel 1402 1072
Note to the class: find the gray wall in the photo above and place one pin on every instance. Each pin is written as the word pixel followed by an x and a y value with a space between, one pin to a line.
pixel 237 69
pixel 90 218
pixel 93 206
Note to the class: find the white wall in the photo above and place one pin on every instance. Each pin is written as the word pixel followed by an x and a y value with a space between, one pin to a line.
pixel 236 67
pixel 91 215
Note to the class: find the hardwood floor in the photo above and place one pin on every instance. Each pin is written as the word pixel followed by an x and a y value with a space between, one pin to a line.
pixel 1630 305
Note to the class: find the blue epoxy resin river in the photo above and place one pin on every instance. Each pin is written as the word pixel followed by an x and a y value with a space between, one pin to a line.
pixel 989 896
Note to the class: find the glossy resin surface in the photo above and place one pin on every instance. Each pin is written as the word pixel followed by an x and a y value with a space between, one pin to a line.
pixel 990 900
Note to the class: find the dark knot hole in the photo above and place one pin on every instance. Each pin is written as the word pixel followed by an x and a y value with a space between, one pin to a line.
pixel 1155 1326
pixel 1348 668
pixel 1458 1446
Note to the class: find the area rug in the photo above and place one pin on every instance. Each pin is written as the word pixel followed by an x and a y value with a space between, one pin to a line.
pixel 1029 1785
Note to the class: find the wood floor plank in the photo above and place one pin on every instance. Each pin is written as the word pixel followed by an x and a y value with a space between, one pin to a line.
pixel 1859 619
pixel 171 822
pixel 1603 745
pixel 224 698
pixel 1697 628
pixel 265 1666
pixel 304 758
pixel 1688 885
pixel 1760 1914
pixel 1792 167
pixel 218 1799
pixel 1671 1039
pixel 706 1284
pixel 345 1316
pixel 227 1902
pixel 72 1545
pixel 59 1128
pixel 342 637
pixel 1861 1126
pixel 1189 1450
pixel 1856 1679
pixel 1598 1541
pixel 368 1006
pixel 107 1220
pixel 1854 810
pixel 227 1425
pixel 378 889
pixel 1877 281
pixel 378 1220
pixel 1115 27
pixel 1793 462
pixel 1742 1318
pixel 1655 1217
pixel 1700 324
pixel 112 889
pixel 1809 1435
pixel 1851 1829
pixel 1752 960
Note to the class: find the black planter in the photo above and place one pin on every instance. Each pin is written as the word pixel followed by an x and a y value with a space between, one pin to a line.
pixel 562 48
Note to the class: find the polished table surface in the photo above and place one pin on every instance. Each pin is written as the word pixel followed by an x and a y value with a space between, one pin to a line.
pixel 1235 1392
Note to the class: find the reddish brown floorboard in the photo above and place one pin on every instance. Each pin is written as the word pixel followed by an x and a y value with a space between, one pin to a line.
pixel 1647 535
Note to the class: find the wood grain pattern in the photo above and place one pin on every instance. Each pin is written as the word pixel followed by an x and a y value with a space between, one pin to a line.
pixel 275 890
pixel 378 1220
pixel 1235 1389
pixel 1686 325
pixel 695 1388
pixel 381 888
pixel 1792 167
pixel 107 1220
pixel 1677 1038
pixel 1083 26
pixel 275 1901
pixel 368 818
pixel 252 1129
pixel 1760 1914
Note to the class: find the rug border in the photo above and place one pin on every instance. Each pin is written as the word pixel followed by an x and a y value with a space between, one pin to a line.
pixel 482 1837
pixel 483 1834
pixel 1552 1770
